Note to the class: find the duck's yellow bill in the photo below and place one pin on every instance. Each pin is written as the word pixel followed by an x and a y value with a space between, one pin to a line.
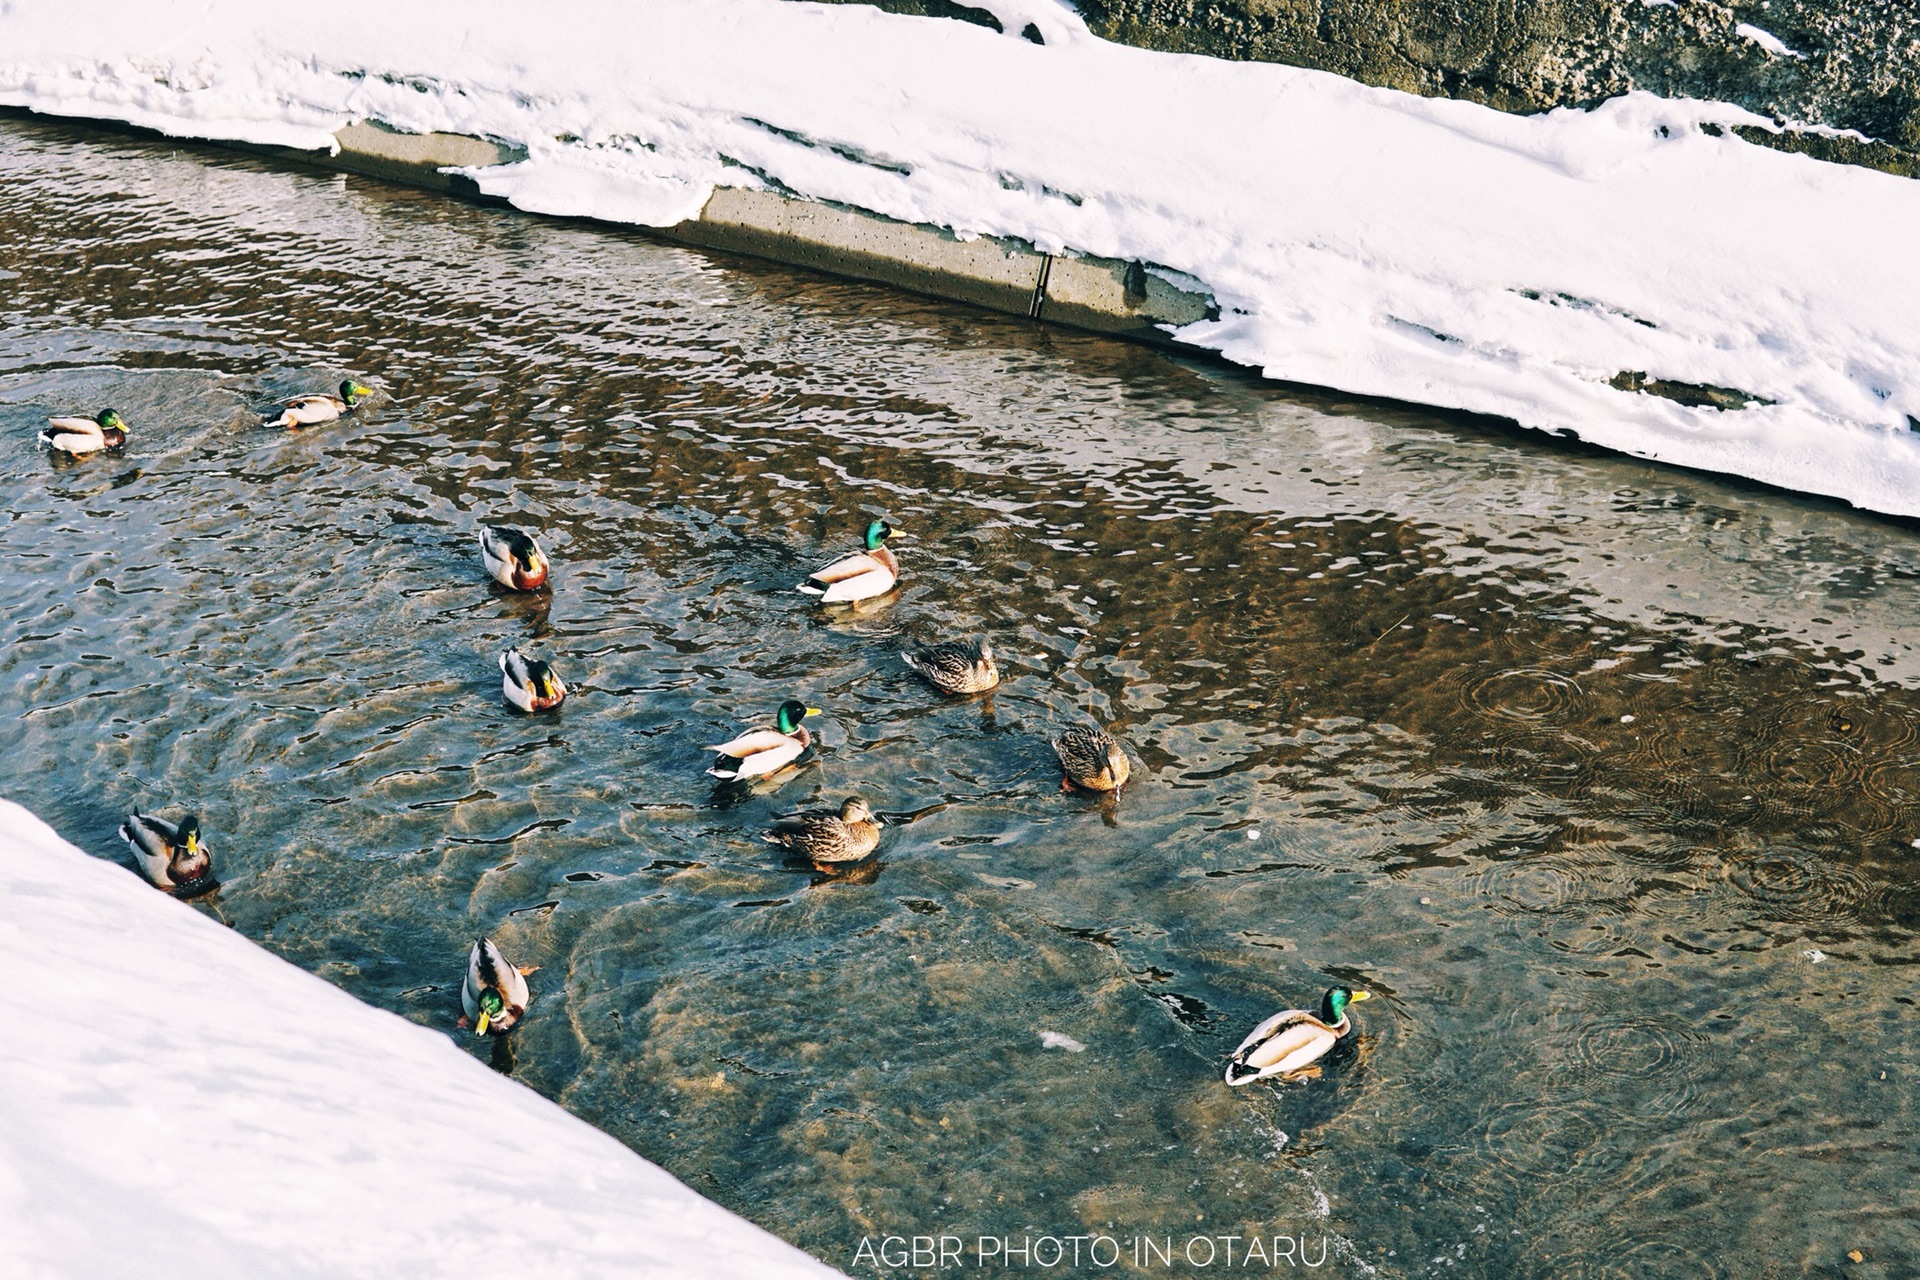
pixel 1358 996
pixel 813 711
pixel 480 1027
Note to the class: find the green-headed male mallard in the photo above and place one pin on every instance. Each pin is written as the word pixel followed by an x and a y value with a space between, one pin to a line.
pixel 1291 1041
pixel 846 834
pixel 308 411
pixel 529 683
pixel 860 576
pixel 513 557
pixel 85 435
pixel 495 993
pixel 1090 758
pixel 958 666
pixel 173 857
pixel 759 752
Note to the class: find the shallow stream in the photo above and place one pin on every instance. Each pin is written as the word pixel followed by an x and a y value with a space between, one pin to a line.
pixel 1600 776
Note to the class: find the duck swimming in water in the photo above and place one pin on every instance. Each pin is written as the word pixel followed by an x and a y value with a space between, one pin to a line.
pixel 1291 1041
pixel 846 834
pixel 956 667
pixel 495 993
pixel 85 435
pixel 860 576
pixel 529 683
pixel 308 411
pixel 759 752
pixel 513 558
pixel 173 857
pixel 1091 759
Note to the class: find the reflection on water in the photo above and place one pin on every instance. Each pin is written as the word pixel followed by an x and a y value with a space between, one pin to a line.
pixel 1600 777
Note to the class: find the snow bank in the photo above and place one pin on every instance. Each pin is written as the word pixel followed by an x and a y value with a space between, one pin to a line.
pixel 179 1102
pixel 1358 238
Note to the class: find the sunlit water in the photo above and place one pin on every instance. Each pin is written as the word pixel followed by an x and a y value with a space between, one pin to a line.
pixel 1601 777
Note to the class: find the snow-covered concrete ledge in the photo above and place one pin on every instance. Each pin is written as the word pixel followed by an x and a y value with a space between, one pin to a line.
pixel 1128 299
pixel 1636 275
pixel 180 1102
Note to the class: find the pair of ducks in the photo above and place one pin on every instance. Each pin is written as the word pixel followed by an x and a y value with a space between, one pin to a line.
pixel 178 861
pixel 514 560
pixel 108 430
pixel 829 837
pixel 1089 757
pixel 495 996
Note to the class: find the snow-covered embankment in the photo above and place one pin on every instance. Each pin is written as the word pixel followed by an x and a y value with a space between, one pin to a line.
pixel 180 1102
pixel 1635 274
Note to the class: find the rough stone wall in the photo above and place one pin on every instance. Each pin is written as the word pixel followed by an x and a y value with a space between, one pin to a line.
pixel 1859 63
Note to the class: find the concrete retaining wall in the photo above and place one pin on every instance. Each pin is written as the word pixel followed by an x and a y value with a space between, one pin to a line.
pixel 1127 299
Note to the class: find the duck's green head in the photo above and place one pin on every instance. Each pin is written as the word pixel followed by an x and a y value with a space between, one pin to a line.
pixel 111 419
pixel 1333 1005
pixel 792 712
pixel 354 392
pixel 187 834
pixel 491 1006
pixel 878 532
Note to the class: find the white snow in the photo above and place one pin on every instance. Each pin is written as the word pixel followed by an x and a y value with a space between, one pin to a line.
pixel 1356 238
pixel 1061 1040
pixel 180 1102
pixel 1767 40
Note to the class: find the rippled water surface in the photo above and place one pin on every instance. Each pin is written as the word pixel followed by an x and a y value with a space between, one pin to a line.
pixel 1601 776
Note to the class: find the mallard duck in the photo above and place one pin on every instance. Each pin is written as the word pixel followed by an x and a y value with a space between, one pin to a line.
pixel 860 576
pixel 529 683
pixel 173 857
pixel 960 666
pixel 85 435
pixel 308 411
pixel 759 752
pixel 495 993
pixel 1090 758
pixel 513 557
pixel 846 834
pixel 1290 1041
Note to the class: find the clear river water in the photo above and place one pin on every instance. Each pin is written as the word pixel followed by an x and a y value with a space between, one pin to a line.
pixel 1600 776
